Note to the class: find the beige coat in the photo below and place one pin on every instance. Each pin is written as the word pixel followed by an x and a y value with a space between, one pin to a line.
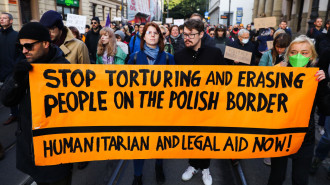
pixel 75 51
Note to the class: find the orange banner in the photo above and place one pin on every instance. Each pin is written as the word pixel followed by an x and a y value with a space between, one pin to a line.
pixel 100 112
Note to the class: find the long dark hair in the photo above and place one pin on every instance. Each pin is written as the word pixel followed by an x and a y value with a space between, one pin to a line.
pixel 221 28
pixel 160 38
pixel 282 40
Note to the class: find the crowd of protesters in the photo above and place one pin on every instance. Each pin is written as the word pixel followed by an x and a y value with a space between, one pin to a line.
pixel 194 43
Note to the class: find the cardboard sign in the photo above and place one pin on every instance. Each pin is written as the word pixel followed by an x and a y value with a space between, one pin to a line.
pixel 270 44
pixel 169 20
pixel 178 22
pixel 265 22
pixel 100 112
pixel 77 21
pixel 238 55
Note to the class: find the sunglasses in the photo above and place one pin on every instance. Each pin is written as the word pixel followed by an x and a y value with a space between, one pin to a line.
pixel 94 23
pixel 27 46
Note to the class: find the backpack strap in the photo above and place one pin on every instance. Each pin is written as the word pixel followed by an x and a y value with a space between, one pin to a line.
pixel 134 42
pixel 167 59
pixel 135 57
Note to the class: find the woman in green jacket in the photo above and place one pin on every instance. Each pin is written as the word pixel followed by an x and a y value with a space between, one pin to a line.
pixel 107 50
pixel 275 55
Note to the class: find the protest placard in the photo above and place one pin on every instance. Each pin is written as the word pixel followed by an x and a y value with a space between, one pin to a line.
pixel 265 22
pixel 270 44
pixel 238 55
pixel 100 112
pixel 77 21
pixel 169 20
pixel 178 22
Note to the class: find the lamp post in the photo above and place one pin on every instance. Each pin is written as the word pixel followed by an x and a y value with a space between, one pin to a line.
pixel 228 18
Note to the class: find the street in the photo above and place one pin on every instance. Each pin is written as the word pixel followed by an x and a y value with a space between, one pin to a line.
pixel 119 172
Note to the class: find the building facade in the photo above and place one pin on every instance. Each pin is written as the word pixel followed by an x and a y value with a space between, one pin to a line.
pixel 240 11
pixel 24 11
pixel 300 14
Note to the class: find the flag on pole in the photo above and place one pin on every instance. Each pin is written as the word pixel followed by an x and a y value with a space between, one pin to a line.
pixel 108 22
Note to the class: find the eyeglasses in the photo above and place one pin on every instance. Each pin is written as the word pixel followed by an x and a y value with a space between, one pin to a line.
pixel 94 23
pixel 191 36
pixel 152 32
pixel 211 33
pixel 27 46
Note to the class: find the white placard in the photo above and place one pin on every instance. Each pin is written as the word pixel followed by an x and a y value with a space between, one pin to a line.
pixel 178 22
pixel 77 21
pixel 169 20
pixel 238 55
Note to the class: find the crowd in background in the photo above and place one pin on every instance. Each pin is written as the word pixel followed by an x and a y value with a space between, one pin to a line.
pixel 194 43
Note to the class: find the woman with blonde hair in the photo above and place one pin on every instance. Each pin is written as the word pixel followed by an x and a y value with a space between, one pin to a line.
pixel 300 53
pixel 108 52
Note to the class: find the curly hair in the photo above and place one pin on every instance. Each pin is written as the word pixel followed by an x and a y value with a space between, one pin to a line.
pixel 111 47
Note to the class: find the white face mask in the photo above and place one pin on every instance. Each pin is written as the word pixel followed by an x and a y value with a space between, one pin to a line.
pixel 245 41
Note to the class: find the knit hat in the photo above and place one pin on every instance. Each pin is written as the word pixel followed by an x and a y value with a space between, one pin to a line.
pixel 35 31
pixel 96 19
pixel 121 34
pixel 52 18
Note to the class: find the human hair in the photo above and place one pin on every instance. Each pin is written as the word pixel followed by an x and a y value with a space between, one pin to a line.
pixel 221 28
pixel 302 39
pixel 163 27
pixel 87 26
pixel 181 27
pixel 75 32
pixel 194 24
pixel 318 18
pixel 111 47
pixel 160 38
pixel 10 16
pixel 196 14
pixel 173 27
pixel 282 40
pixel 284 21
pixel 242 31
pixel 278 32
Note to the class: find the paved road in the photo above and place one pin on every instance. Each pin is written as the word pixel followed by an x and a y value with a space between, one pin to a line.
pixel 102 172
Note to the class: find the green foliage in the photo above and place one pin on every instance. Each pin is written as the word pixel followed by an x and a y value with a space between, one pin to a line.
pixel 182 9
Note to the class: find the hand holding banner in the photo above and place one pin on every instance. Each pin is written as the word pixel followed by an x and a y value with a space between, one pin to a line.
pixel 100 112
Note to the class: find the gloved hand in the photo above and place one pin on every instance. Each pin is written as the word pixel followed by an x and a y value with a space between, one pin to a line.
pixel 21 71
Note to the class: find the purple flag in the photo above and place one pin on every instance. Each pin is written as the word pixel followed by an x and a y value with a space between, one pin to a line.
pixel 108 22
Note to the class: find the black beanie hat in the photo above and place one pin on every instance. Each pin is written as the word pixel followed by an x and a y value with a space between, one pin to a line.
pixel 52 18
pixel 96 19
pixel 35 31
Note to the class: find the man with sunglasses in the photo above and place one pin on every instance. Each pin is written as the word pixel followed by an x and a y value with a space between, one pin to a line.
pixel 34 42
pixel 75 51
pixel 92 38
pixel 8 55
pixel 195 53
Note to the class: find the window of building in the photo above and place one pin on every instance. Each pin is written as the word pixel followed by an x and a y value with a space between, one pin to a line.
pixel 94 10
pixel 65 7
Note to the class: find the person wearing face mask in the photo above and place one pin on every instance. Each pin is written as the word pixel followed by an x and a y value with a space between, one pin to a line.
pixel 300 53
pixel 108 52
pixel 234 33
pixel 151 53
pixel 243 43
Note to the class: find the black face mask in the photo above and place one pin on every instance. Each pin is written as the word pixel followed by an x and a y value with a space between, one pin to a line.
pixel 235 29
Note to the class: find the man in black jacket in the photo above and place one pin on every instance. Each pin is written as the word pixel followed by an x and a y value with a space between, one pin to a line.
pixel 243 43
pixel 92 38
pixel 197 54
pixel 206 40
pixel 34 41
pixel 8 55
